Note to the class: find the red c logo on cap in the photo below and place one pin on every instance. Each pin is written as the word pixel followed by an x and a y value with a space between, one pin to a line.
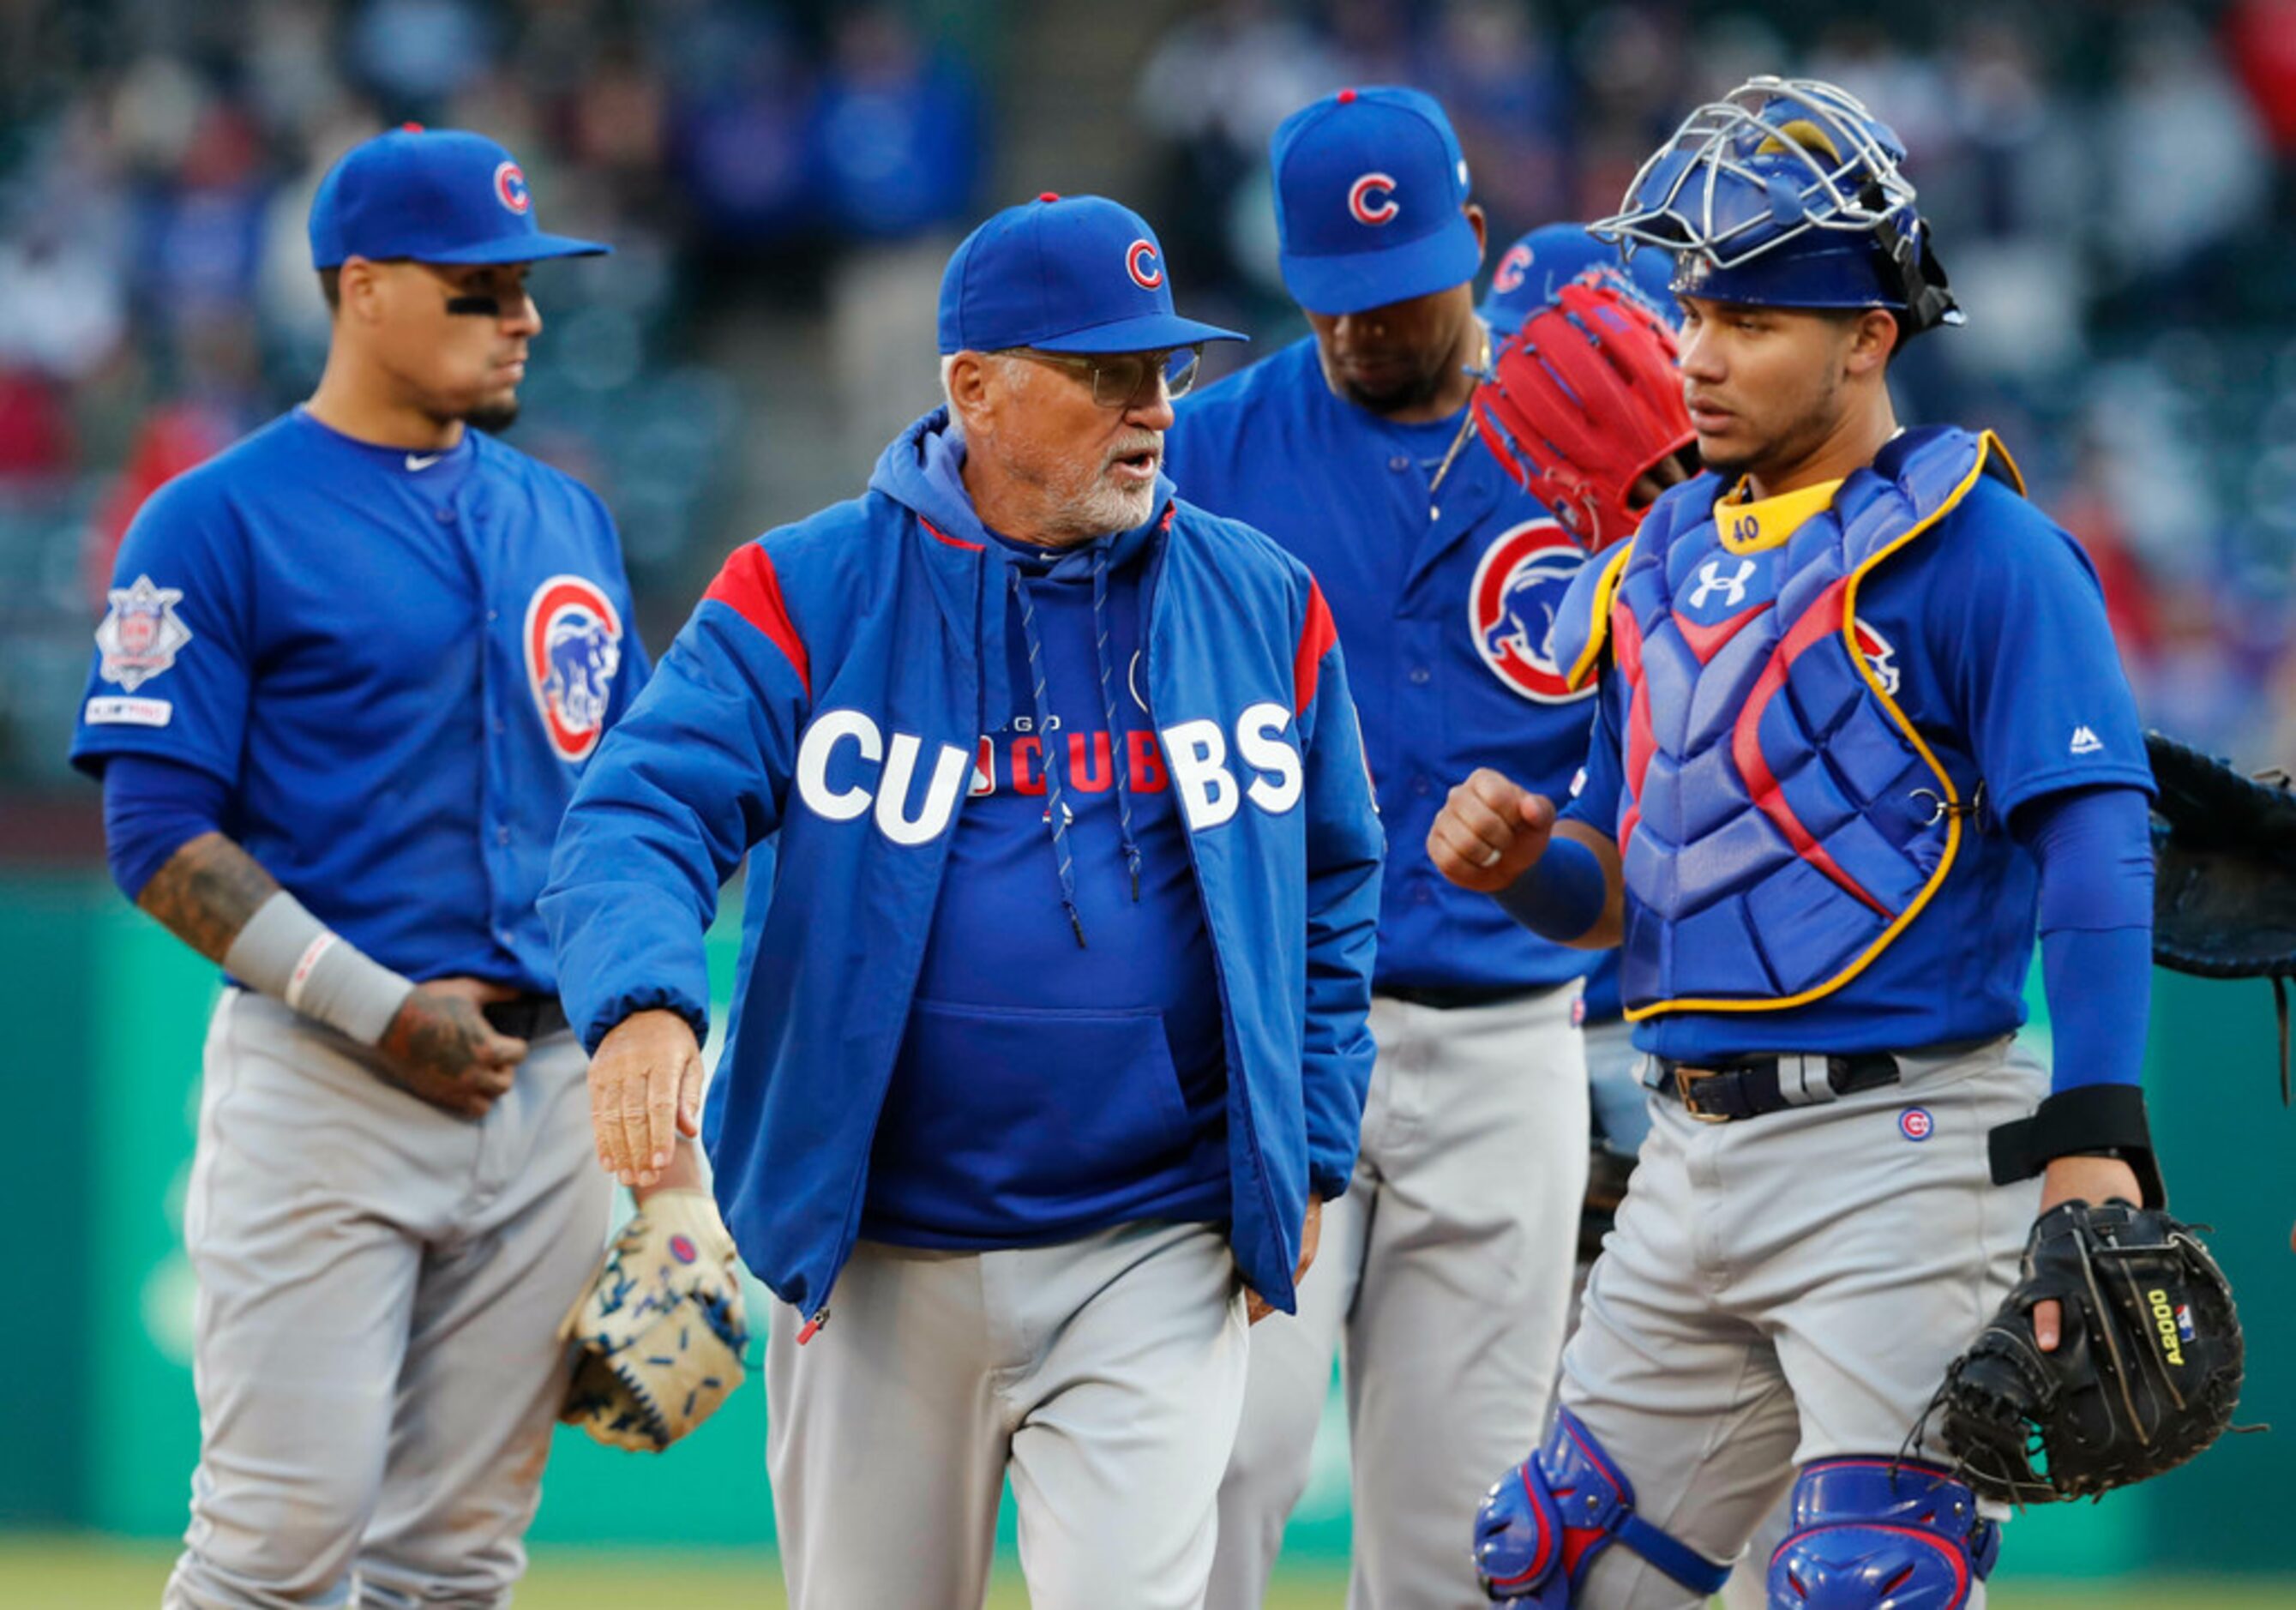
pixel 510 187
pixel 1512 269
pixel 1365 210
pixel 1141 262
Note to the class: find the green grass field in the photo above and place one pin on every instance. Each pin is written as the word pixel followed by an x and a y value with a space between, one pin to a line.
pixel 53 1574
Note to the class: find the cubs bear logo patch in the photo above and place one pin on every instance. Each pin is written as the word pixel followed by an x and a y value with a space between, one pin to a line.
pixel 573 647
pixel 1511 608
pixel 141 634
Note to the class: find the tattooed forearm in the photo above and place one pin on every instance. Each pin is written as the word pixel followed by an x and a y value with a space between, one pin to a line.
pixel 205 894
pixel 438 1032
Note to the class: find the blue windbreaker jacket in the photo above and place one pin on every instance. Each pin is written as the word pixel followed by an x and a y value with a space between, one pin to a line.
pixel 823 707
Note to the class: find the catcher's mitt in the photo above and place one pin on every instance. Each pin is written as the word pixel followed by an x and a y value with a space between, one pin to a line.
pixel 2223 900
pixel 1581 401
pixel 2146 1375
pixel 662 1328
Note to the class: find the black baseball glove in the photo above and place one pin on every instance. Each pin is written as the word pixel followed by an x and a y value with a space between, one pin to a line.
pixel 2224 902
pixel 2145 1374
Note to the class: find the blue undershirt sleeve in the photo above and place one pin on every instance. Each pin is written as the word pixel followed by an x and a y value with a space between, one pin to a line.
pixel 151 808
pixel 1559 898
pixel 2095 850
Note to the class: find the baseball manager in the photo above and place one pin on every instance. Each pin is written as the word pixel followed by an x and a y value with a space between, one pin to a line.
pixel 1049 1029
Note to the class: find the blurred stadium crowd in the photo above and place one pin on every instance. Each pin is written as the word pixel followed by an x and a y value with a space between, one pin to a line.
pixel 2114 186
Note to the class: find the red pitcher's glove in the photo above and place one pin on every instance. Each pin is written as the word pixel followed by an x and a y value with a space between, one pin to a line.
pixel 1582 401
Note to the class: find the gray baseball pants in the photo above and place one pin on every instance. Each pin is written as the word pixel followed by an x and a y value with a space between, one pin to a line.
pixel 1791 1288
pixel 1444 1276
pixel 380 1290
pixel 1104 1373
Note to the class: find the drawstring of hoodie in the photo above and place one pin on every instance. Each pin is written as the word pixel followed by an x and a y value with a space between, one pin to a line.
pixel 1055 812
pixel 1116 756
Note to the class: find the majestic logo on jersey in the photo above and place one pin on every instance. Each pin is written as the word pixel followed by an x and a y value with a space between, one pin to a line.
pixel 1879 656
pixel 1515 268
pixel 1372 199
pixel 1519 586
pixel 510 187
pixel 1914 1124
pixel 573 647
pixel 141 634
pixel 1142 264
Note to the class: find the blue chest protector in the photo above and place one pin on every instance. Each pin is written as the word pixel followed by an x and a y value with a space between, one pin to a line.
pixel 1782 822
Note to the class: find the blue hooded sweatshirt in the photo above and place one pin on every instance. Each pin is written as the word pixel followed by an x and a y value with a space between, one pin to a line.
pixel 827 702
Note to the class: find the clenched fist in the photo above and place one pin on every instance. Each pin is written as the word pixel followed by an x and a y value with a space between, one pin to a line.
pixel 1490 832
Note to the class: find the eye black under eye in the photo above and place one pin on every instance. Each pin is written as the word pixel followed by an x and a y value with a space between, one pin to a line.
pixel 484 305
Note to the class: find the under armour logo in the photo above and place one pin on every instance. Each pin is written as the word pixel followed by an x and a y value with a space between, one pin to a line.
pixel 1711 579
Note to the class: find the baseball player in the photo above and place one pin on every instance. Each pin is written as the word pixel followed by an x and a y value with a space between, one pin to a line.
pixel 350 672
pixel 1527 281
pixel 1861 730
pixel 1446 1265
pixel 1050 1020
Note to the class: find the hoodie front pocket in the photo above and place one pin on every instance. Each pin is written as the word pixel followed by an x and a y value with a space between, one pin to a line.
pixel 999 1118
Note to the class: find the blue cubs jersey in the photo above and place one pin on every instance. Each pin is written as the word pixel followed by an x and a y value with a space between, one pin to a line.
pixel 396 661
pixel 1445 601
pixel 1986 631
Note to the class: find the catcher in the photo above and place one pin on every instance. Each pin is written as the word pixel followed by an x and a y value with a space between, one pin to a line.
pixel 1862 737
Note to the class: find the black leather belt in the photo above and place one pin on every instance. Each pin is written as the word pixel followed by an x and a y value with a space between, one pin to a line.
pixel 1444 1000
pixel 1747 1087
pixel 528 1017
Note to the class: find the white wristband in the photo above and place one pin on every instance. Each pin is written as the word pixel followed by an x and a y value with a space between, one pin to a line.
pixel 286 952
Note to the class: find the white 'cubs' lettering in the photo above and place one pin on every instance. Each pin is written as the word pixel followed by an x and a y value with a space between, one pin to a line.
pixel 1365 210
pixel 876 771
pixel 1711 579
pixel 949 769
pixel 890 798
pixel 1198 751
pixel 1209 792
pixel 1259 741
pixel 813 763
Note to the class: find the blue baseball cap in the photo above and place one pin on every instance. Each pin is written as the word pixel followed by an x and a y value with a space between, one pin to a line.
pixel 1080 274
pixel 434 196
pixel 1369 185
pixel 1541 263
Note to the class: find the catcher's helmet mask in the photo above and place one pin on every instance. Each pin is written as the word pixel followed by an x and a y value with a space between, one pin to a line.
pixel 1788 193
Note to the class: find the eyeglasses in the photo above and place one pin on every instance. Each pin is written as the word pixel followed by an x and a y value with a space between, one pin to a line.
pixel 1123 380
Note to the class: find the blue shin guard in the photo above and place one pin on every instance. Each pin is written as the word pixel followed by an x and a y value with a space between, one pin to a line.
pixel 1546 1522
pixel 1874 1534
